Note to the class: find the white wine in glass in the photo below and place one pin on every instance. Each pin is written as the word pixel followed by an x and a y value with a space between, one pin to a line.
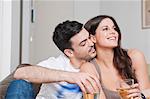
pixel 90 96
pixel 123 88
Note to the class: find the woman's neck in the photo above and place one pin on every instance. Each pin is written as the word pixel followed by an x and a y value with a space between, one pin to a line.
pixel 105 56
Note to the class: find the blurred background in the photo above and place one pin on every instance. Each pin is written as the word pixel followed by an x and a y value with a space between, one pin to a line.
pixel 26 27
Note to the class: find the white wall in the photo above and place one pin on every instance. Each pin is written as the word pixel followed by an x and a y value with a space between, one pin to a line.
pixel 5 35
pixel 15 34
pixel 26 31
pixel 1 6
pixel 9 36
pixel 86 9
pixel 1 9
pixel 128 15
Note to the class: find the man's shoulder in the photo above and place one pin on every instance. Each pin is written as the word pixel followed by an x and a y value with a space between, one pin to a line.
pixel 54 62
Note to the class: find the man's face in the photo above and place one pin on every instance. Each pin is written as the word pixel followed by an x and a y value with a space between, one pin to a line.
pixel 83 47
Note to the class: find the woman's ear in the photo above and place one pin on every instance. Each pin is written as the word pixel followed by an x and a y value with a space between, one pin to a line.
pixel 93 38
pixel 68 52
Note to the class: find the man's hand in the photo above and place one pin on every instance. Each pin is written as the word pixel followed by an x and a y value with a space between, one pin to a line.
pixel 87 78
pixel 90 69
pixel 88 83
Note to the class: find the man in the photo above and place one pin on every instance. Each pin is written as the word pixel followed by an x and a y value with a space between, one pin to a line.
pixel 76 43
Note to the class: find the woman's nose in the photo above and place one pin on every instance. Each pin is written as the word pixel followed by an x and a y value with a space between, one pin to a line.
pixel 112 31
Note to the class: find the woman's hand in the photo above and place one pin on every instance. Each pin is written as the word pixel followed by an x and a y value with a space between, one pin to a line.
pixel 134 92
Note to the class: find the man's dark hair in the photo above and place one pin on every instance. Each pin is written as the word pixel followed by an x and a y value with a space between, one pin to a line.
pixel 64 32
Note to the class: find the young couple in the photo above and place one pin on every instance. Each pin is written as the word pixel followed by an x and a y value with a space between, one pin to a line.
pixel 93 61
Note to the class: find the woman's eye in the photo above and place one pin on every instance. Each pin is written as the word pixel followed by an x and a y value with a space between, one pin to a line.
pixel 115 28
pixel 104 29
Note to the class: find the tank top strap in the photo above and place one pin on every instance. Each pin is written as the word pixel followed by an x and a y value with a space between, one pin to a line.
pixel 93 61
pixel 108 93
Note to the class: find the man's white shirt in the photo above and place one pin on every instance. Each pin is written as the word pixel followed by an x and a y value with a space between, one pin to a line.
pixel 59 90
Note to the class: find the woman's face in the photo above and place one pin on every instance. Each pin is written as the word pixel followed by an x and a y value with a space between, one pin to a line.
pixel 106 35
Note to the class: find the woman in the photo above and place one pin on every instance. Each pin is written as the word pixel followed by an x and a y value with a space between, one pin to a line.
pixel 115 63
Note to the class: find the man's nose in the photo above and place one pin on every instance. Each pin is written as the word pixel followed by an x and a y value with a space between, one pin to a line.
pixel 90 42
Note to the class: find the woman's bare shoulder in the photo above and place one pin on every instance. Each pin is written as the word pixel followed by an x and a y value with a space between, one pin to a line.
pixel 138 59
pixel 88 67
pixel 135 53
pixel 140 66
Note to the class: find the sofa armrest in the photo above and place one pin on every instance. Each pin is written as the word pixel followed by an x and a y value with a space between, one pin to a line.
pixel 5 83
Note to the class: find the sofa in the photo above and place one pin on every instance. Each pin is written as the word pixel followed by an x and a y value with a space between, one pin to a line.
pixel 4 84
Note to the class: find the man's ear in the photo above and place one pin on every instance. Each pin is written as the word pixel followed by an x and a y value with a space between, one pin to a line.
pixel 68 52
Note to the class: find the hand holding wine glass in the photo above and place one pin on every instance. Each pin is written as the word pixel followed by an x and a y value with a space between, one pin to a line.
pixel 128 90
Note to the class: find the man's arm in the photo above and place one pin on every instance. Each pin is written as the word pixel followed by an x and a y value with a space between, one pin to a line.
pixel 37 74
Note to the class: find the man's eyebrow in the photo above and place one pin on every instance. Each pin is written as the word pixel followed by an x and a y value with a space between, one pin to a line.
pixel 82 41
pixel 85 39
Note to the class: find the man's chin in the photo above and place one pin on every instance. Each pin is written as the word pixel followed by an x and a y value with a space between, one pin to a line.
pixel 93 55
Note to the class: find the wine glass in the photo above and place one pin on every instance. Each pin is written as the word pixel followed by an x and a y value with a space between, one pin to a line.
pixel 123 87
